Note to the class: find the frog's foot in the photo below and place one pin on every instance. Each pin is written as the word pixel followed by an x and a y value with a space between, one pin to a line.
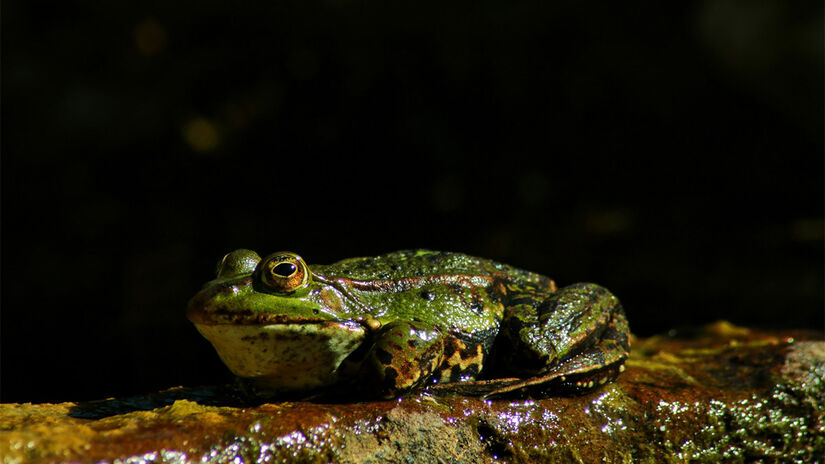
pixel 568 378
pixel 473 387
pixel 596 365
pixel 403 357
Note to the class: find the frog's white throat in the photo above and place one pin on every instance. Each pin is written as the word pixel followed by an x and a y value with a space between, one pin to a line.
pixel 285 357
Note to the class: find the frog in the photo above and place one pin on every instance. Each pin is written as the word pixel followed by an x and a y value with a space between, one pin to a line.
pixel 408 321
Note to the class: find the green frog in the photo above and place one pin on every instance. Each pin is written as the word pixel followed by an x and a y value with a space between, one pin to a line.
pixel 405 321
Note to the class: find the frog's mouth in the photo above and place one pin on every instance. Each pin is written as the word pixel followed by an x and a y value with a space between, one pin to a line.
pixel 235 302
pixel 284 357
pixel 250 318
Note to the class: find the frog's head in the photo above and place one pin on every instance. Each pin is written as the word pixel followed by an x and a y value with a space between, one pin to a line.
pixel 264 318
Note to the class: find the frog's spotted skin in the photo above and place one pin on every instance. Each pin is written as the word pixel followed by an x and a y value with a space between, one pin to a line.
pixel 406 320
pixel 464 362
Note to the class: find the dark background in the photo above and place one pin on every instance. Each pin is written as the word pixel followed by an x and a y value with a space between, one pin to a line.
pixel 673 153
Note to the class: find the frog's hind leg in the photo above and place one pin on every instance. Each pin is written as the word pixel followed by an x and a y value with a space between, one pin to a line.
pixel 577 374
pixel 600 353
pixel 404 356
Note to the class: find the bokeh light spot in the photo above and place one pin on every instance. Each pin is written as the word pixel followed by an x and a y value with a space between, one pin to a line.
pixel 201 134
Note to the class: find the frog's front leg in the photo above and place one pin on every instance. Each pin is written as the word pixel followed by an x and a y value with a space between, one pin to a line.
pixel 404 356
pixel 576 337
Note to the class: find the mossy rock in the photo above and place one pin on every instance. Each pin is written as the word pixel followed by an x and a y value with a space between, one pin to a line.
pixel 713 394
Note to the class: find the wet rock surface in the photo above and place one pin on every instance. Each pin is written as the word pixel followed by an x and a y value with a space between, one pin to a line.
pixel 715 394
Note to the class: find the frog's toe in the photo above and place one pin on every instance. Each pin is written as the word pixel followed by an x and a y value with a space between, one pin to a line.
pixel 557 384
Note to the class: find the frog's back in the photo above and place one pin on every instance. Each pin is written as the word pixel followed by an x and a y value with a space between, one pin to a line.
pixel 411 264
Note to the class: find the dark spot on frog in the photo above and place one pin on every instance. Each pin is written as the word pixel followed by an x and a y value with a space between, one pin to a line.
pixel 383 356
pixel 384 275
pixel 305 337
pixel 469 352
pixel 497 291
pixel 456 288
pixel 455 373
pixel 395 267
pixel 390 376
pixel 395 346
pixel 477 307
pixel 472 370
pixel 427 295
pixel 251 338
pixel 413 342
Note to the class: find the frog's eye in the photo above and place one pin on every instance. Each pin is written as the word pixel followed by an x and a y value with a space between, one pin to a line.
pixel 283 272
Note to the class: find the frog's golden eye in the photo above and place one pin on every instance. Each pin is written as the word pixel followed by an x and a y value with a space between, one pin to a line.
pixel 283 272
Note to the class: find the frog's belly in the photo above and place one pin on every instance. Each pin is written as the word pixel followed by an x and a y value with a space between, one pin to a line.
pixel 285 356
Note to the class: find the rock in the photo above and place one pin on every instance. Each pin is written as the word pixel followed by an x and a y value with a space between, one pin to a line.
pixel 715 394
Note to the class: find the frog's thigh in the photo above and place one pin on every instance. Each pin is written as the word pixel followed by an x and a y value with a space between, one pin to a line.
pixel 461 362
pixel 404 356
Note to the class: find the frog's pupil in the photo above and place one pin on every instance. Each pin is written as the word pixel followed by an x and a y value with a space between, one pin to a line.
pixel 284 269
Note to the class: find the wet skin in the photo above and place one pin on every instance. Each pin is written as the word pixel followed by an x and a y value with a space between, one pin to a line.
pixel 404 321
